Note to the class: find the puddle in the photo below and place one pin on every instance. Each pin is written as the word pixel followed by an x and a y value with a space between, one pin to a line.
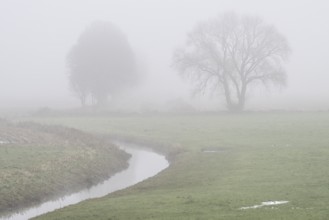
pixel 210 151
pixel 4 142
pixel 213 150
pixel 268 203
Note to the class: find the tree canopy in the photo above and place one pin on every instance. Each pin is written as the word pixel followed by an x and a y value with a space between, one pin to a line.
pixel 232 53
pixel 101 63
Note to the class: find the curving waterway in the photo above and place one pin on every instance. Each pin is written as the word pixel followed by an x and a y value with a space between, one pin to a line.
pixel 143 164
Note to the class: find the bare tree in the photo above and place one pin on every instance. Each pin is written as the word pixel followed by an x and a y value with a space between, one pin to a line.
pixel 101 64
pixel 231 53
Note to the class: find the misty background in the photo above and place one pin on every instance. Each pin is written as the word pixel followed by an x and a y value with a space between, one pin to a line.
pixel 36 36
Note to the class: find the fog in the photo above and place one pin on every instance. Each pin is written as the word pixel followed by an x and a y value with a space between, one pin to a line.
pixel 36 36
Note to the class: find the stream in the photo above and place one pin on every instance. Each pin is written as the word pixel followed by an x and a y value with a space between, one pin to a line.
pixel 144 163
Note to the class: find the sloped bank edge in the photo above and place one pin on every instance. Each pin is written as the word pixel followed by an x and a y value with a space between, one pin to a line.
pixel 78 186
pixel 170 150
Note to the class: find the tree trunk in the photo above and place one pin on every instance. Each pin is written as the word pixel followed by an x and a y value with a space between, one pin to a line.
pixel 237 106
pixel 242 96
pixel 83 101
pixel 227 93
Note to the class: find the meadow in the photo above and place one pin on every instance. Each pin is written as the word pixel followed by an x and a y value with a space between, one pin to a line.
pixel 225 162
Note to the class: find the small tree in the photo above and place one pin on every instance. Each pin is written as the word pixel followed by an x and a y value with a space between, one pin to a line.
pixel 101 64
pixel 232 53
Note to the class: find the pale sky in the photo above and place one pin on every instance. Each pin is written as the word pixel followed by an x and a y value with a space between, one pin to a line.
pixel 36 35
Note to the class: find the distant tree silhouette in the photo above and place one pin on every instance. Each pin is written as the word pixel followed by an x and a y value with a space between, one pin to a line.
pixel 101 63
pixel 232 53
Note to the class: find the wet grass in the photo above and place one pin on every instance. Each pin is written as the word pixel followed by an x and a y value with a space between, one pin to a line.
pixel 262 157
pixel 42 163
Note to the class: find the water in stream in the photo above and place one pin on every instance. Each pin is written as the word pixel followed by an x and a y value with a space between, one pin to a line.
pixel 142 165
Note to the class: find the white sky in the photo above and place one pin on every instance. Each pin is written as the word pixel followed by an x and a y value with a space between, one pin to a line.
pixel 36 35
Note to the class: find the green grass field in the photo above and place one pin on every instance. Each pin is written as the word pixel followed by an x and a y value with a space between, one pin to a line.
pixel 261 157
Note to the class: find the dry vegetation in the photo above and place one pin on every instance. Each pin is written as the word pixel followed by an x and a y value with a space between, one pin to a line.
pixel 40 162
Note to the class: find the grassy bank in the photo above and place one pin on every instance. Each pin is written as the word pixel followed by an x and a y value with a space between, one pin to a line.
pixel 260 157
pixel 38 163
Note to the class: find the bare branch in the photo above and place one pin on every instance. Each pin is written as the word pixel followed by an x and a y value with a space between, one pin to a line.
pixel 232 52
